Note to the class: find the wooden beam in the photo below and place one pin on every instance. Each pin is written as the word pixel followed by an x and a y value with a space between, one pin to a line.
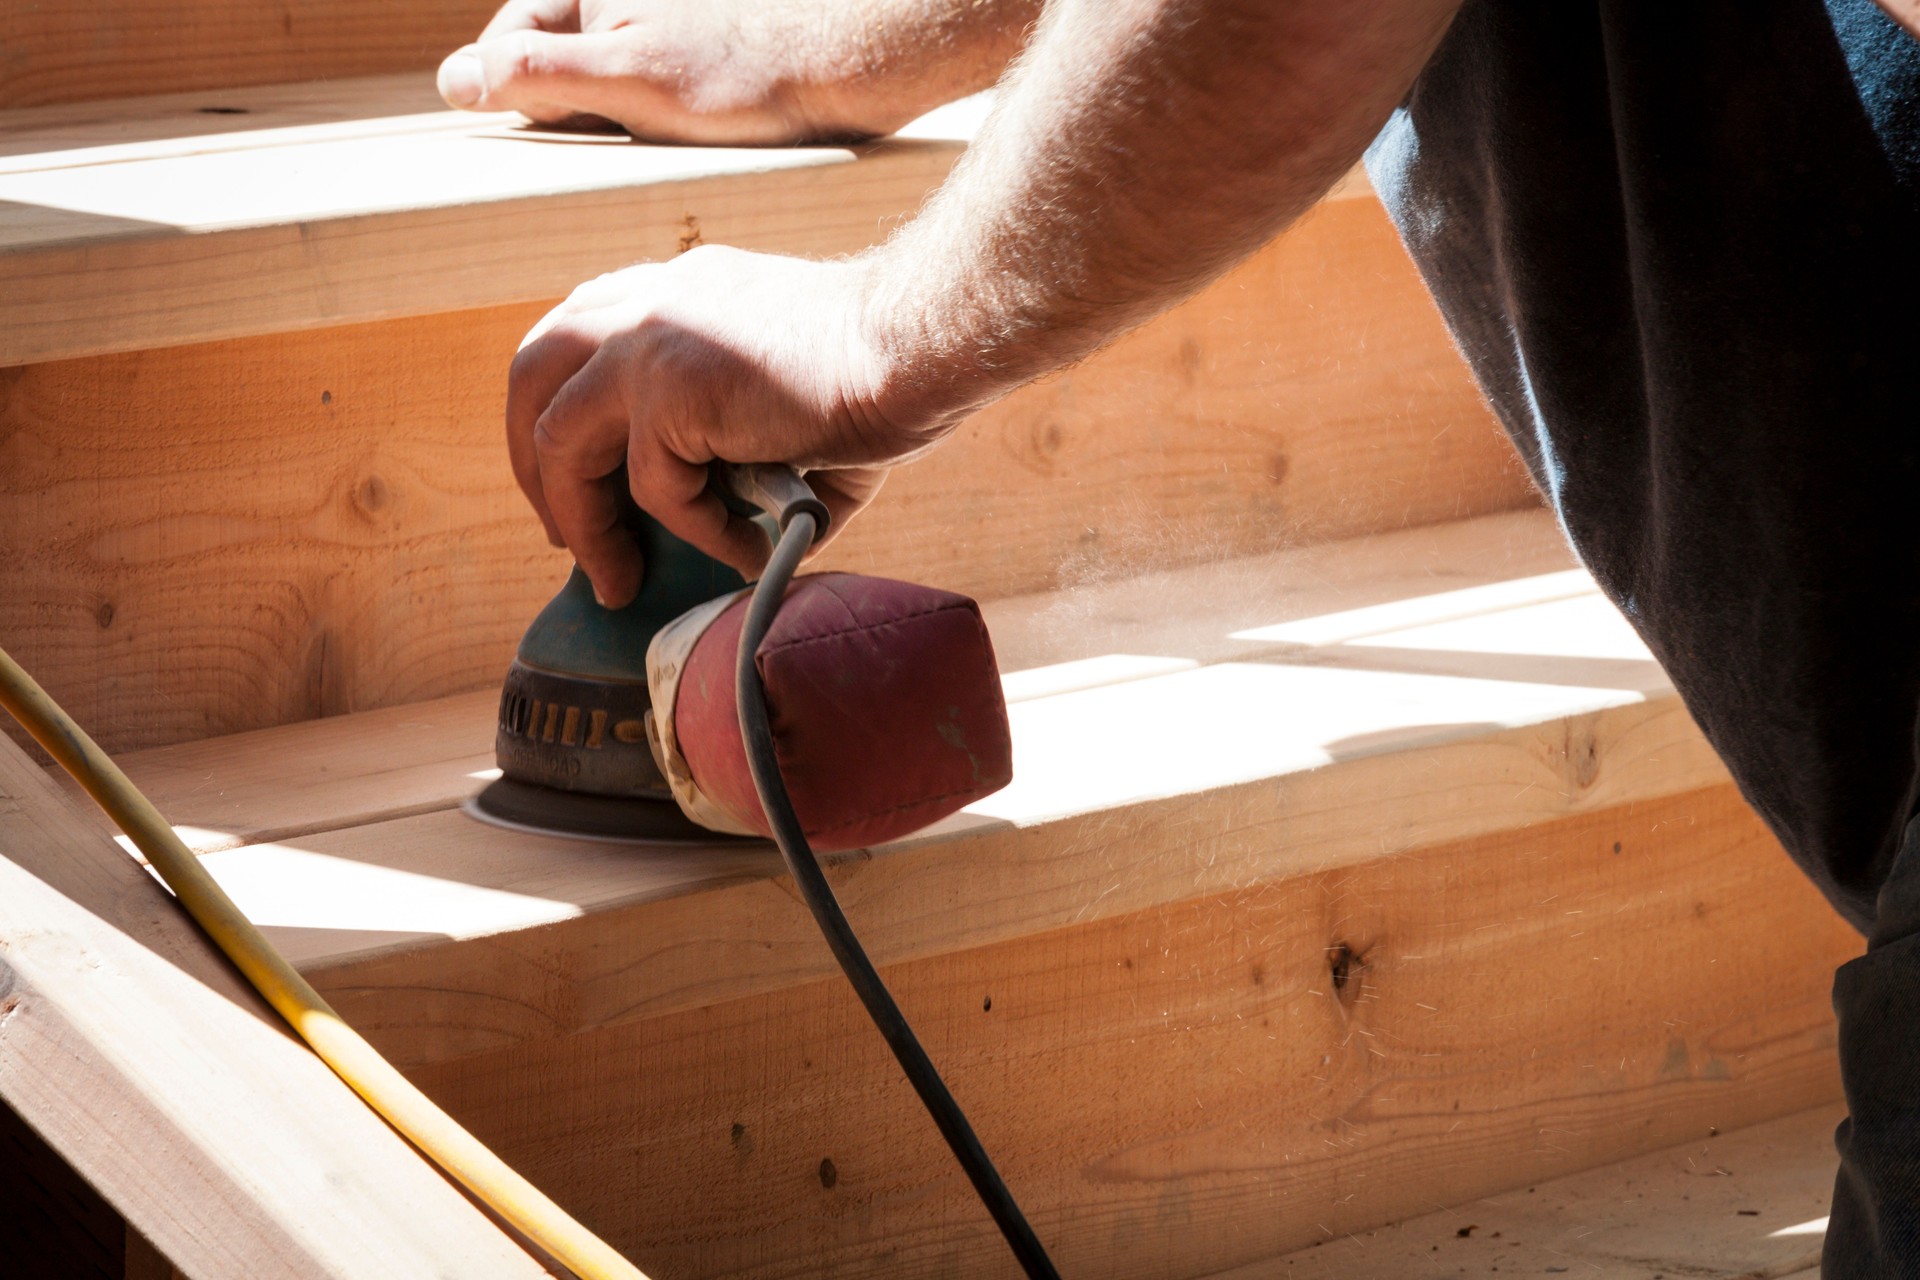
pixel 224 537
pixel 1222 745
pixel 424 212
pixel 134 1052
pixel 1466 792
pixel 1184 1089
pixel 61 53
pixel 171 125
pixel 1327 604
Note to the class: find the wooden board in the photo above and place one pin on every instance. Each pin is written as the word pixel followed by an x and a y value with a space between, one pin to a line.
pixel 241 534
pixel 60 53
pixel 1447 770
pixel 1329 603
pixel 1181 1090
pixel 168 126
pixel 132 1050
pixel 199 236
pixel 174 125
pixel 1235 766
pixel 1725 1206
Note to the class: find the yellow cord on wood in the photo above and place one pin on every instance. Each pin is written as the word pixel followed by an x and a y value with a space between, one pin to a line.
pixel 422 1123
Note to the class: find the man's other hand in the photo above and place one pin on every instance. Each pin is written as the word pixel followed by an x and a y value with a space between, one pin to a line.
pixel 663 71
pixel 735 72
pixel 644 376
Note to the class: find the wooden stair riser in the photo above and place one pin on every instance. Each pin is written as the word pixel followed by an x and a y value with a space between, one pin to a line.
pixel 232 535
pixel 1185 1089
pixel 72 53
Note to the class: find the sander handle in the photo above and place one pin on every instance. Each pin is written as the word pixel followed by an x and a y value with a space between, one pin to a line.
pixel 774 488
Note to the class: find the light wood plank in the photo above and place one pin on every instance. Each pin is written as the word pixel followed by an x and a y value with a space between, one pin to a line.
pixel 130 1046
pixel 90 272
pixel 63 53
pixel 181 124
pixel 1128 796
pixel 1332 602
pixel 303 525
pixel 1180 1090
pixel 652 931
pixel 327 178
pixel 354 201
pixel 1237 765
pixel 171 126
pixel 1726 1206
pixel 347 202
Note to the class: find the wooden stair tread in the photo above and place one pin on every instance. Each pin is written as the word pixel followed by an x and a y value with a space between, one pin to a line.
pixel 1734 1206
pixel 1466 777
pixel 1350 694
pixel 362 201
pixel 281 207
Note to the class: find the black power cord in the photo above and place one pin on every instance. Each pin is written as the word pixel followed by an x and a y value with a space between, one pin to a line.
pixel 796 535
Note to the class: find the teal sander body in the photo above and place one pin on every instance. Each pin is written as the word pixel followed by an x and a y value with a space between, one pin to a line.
pixel 571 741
pixel 623 724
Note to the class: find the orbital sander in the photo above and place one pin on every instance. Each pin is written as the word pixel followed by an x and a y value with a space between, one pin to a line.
pixel 623 724
pixel 832 710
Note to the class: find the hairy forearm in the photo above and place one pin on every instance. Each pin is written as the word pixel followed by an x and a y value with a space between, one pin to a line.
pixel 1138 149
pixel 869 66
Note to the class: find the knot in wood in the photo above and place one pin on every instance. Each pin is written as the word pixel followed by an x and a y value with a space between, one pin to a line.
pixel 1343 967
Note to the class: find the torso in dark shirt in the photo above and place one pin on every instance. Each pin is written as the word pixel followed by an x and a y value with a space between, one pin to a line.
pixel 1679 245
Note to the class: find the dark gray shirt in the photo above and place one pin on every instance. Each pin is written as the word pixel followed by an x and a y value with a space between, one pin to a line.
pixel 1679 245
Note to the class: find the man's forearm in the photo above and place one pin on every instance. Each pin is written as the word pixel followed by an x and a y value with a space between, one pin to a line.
pixel 1138 149
pixel 870 66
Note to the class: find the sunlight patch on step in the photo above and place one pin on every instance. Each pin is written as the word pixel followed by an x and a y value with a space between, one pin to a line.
pixel 1350 625
pixel 281 887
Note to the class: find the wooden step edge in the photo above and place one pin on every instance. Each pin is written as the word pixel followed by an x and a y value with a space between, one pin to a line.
pixel 1724 1206
pixel 1258 734
pixel 139 227
pixel 149 222
pixel 294 780
pixel 442 903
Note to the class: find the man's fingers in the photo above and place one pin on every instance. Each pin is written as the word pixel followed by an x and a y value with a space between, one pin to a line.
pixel 543 75
pixel 542 367
pixel 579 444
pixel 675 492
pixel 845 491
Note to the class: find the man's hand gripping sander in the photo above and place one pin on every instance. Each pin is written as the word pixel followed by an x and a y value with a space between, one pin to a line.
pixel 833 710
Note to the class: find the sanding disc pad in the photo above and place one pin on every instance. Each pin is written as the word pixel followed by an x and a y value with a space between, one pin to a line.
pixel 576 815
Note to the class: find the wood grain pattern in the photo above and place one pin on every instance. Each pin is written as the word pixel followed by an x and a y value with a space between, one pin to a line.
pixel 1725 1206
pixel 166 126
pixel 57 53
pixel 477 939
pixel 166 252
pixel 1185 1089
pixel 1330 603
pixel 222 537
pixel 135 1052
